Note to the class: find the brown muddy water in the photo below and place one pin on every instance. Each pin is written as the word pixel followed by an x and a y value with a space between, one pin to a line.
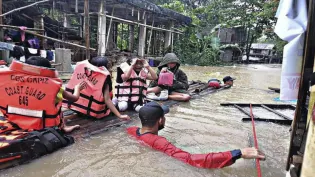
pixel 199 126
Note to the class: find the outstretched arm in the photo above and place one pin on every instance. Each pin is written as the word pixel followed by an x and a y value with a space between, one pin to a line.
pixel 210 160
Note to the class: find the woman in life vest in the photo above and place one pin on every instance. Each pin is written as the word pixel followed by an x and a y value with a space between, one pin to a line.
pixel 95 101
pixel 62 94
pixel 132 92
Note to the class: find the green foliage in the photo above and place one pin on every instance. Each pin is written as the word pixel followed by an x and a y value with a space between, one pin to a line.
pixel 200 46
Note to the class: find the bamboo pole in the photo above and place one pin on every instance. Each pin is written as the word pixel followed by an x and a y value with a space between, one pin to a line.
pixel 16 27
pixel 308 169
pixel 87 28
pixel 1 21
pixel 50 38
pixel 109 29
pixel 150 37
pixel 140 24
pixel 21 8
pixel 307 65
pixel 76 6
pixel 136 23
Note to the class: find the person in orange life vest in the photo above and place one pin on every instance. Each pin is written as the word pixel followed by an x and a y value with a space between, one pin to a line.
pixel 62 94
pixel 99 87
pixel 135 76
pixel 180 86
pixel 152 117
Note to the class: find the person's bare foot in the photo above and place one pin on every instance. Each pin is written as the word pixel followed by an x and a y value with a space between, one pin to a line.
pixel 69 129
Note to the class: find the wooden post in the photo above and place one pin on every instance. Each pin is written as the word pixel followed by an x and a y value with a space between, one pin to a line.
pixel 308 169
pixel 2 53
pixel 1 22
pixel 307 67
pixel 81 30
pixel 39 24
pixel 101 30
pixel 76 6
pixel 87 28
pixel 168 35
pixel 53 9
pixel 172 45
pixel 110 30
pixel 131 37
pixel 149 43
pixel 42 26
pixel 142 34
pixel 63 56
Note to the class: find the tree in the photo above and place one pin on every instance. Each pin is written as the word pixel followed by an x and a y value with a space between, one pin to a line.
pixel 256 16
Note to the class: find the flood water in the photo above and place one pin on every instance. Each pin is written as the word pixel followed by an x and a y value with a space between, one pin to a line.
pixel 200 126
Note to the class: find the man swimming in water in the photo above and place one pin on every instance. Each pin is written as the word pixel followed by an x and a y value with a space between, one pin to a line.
pixel 152 120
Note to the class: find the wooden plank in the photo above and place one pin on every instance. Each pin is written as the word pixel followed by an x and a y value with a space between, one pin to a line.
pixel 24 7
pixel 87 28
pixel 277 121
pixel 276 112
pixel 307 67
pixel 90 126
pixel 17 28
pixel 274 89
pixel 273 106
pixel 50 38
pixel 243 110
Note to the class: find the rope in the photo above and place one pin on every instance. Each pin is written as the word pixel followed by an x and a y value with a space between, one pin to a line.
pixel 255 140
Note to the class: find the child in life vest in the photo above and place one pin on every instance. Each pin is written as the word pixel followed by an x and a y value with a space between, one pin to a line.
pixel 95 101
pixel 132 91
pixel 62 94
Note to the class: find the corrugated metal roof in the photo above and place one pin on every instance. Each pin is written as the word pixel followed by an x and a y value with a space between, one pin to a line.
pixel 262 46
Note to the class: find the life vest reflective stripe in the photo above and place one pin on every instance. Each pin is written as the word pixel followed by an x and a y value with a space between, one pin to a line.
pixel 133 90
pixel 91 101
pixel 28 95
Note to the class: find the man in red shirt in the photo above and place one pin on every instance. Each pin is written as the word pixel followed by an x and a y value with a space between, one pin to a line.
pixel 152 120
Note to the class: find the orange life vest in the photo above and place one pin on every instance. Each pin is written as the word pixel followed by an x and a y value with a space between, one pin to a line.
pixel 134 90
pixel 91 101
pixel 18 147
pixel 28 95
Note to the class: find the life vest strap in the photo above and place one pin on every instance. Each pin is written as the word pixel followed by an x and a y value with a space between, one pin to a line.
pixel 124 95
pixel 62 139
pixel 136 79
pixel 85 96
pixel 85 108
pixel 88 108
pixel 132 86
pixel 44 114
pixel 118 87
pixel 43 140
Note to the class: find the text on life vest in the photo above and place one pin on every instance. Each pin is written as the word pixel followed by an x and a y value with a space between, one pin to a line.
pixel 82 76
pixel 34 80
